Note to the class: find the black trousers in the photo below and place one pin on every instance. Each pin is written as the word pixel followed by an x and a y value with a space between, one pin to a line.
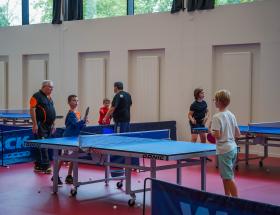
pixel 42 155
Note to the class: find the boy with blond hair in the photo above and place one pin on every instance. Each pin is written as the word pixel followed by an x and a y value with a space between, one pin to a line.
pixel 225 129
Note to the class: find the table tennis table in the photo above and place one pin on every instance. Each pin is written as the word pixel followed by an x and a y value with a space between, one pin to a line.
pixel 16 117
pixel 266 134
pixel 152 145
pixel 261 133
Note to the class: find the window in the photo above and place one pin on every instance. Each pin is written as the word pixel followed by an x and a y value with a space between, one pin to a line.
pixel 223 2
pixel 40 11
pixel 151 6
pixel 10 12
pixel 104 8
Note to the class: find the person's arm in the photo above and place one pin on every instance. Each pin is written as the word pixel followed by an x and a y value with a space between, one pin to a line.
pixel 33 103
pixel 216 134
pixel 216 128
pixel 190 116
pixel 53 128
pixel 114 105
pixel 237 132
pixel 74 122
pixel 34 120
pixel 206 117
pixel 108 114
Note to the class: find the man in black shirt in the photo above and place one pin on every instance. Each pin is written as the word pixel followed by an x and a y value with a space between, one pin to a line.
pixel 43 116
pixel 120 109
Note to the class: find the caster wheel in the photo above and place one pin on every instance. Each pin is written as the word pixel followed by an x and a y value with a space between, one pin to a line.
pixel 119 185
pixel 73 192
pixel 261 164
pixel 131 202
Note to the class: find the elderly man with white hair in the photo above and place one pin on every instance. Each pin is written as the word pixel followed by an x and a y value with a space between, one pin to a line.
pixel 43 116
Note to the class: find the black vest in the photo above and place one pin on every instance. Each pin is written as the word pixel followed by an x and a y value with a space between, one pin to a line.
pixel 45 111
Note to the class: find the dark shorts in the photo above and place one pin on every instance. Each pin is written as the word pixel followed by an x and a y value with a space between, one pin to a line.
pixel 198 125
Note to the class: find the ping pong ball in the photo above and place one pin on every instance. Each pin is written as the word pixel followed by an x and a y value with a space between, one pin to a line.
pixel 115 206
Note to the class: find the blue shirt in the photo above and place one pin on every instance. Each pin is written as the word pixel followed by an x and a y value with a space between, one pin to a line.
pixel 73 125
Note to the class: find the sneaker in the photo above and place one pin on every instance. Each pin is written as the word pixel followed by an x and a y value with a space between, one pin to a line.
pixel 69 179
pixel 37 169
pixel 59 182
pixel 48 171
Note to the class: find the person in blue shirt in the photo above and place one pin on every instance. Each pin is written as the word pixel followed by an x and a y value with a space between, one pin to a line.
pixel 73 122
pixel 73 125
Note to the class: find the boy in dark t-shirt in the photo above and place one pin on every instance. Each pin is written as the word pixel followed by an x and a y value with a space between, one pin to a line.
pixel 198 115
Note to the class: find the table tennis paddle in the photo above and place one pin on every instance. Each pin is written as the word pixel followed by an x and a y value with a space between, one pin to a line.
pixel 211 138
pixel 86 114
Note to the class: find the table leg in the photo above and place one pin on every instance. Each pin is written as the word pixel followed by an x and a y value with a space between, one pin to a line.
pixel 203 173
pixel 128 176
pixel 153 168
pixel 55 170
pixel 179 173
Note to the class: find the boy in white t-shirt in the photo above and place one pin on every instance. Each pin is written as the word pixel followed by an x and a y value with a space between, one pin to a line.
pixel 225 129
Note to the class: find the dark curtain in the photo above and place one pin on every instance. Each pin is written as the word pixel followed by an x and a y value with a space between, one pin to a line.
pixel 177 5
pixel 74 10
pixel 56 12
pixel 25 12
pixel 200 4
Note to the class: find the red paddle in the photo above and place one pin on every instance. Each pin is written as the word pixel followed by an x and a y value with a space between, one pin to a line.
pixel 211 138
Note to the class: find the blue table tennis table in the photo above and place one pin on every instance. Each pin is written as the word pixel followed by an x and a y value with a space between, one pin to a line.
pixel 255 134
pixel 266 134
pixel 16 117
pixel 152 145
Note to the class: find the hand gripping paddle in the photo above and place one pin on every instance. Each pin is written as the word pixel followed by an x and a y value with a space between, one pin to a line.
pixel 211 138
